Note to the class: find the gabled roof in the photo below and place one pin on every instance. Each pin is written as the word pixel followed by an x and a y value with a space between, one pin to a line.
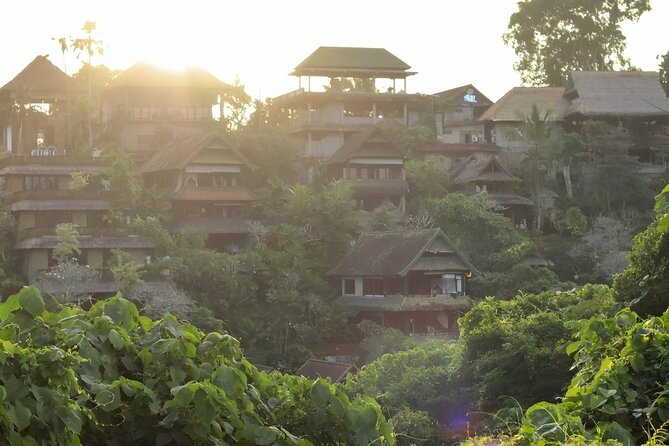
pixel 392 254
pixel 180 153
pixel 374 139
pixel 481 168
pixel 518 102
pixel 144 75
pixel 315 368
pixel 347 61
pixel 456 97
pixel 40 79
pixel 616 93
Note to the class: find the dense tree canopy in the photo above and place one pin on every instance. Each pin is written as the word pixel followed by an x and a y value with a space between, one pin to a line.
pixel 110 376
pixel 552 38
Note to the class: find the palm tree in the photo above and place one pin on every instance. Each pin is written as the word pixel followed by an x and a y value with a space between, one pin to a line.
pixel 536 131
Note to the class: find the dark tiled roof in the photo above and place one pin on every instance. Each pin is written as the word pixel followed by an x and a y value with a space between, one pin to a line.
pixel 326 59
pixel 148 76
pixel 455 96
pixel 518 102
pixel 390 254
pixel 315 368
pixel 87 242
pixel 481 167
pixel 616 93
pixel 180 153
pixel 39 79
pixel 59 205
pixel 372 137
pixel 234 194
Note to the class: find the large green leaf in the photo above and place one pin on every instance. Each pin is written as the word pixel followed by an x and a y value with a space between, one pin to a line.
pixel 31 300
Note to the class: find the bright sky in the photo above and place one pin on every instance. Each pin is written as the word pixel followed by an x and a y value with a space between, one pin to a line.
pixel 448 42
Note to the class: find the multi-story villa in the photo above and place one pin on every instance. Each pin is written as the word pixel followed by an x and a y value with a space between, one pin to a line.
pixel 343 91
pixel 145 107
pixel 35 189
pixel 205 179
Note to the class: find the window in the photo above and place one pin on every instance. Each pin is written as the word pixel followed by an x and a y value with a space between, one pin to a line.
pixel 349 287
pixel 452 283
pixel 40 183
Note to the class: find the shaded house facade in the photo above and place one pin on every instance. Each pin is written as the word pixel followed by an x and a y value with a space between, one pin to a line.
pixel 373 165
pixel 205 179
pixel 33 109
pixel 363 86
pixel 414 281
pixel 477 167
pixel 457 113
pixel 35 190
pixel 503 120
pixel 144 107
pixel 631 98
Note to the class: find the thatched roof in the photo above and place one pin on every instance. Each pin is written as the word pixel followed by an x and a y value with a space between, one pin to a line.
pixel 481 167
pixel 456 97
pixel 393 254
pixel 615 93
pixel 518 102
pixel 315 368
pixel 39 80
pixel 143 75
pixel 373 142
pixel 210 148
pixel 88 242
pixel 59 205
pixel 352 62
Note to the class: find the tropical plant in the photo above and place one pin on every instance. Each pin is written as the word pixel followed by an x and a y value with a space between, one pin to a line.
pixel 111 376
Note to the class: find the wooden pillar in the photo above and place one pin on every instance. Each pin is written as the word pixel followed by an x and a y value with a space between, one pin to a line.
pixel 406 114
pixel 374 113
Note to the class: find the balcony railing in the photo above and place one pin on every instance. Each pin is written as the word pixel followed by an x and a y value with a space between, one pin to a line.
pixel 83 232
pixel 63 160
pixel 55 195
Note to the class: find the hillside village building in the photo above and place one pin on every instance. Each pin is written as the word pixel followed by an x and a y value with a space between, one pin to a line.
pixel 456 115
pixel 414 281
pixel 144 107
pixel 363 86
pixel 205 179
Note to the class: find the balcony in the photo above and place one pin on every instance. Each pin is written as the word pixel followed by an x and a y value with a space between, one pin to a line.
pixel 378 188
pixel 83 232
pixel 400 303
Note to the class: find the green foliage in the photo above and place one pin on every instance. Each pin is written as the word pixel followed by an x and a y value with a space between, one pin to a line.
pixel 271 149
pixel 424 378
pixel 67 246
pixel 664 72
pixel 575 222
pixel 381 340
pixel 531 330
pixel 606 246
pixel 520 278
pixel 413 427
pixel 126 270
pixel 110 375
pixel 622 365
pixel 427 178
pixel 553 38
pixel 477 231
pixel 125 183
pixel 78 181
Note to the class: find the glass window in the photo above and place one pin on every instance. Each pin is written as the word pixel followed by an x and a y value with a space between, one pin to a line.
pixel 349 287
pixel 452 283
pixel 372 287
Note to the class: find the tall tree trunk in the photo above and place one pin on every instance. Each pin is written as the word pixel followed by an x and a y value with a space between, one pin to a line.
pixel 566 173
